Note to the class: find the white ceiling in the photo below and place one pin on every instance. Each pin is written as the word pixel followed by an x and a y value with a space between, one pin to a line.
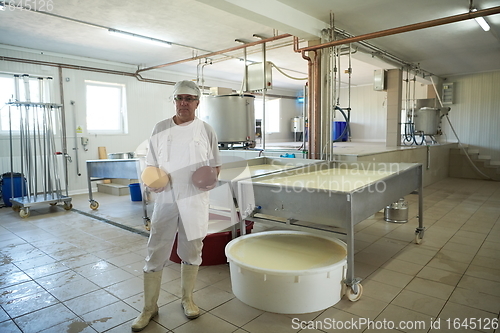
pixel 79 28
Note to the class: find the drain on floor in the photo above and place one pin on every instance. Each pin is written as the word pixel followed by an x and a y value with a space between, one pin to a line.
pixel 116 224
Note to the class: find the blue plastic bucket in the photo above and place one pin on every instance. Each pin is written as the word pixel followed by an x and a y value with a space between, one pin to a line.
pixel 19 188
pixel 135 192
pixel 337 129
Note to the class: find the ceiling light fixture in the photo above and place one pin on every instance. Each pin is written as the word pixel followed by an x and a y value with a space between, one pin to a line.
pixel 481 21
pixel 139 37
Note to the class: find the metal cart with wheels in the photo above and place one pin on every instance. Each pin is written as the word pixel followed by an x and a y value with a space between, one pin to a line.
pixel 37 149
pixel 113 169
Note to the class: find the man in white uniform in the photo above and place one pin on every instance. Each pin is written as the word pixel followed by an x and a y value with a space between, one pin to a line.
pixel 178 145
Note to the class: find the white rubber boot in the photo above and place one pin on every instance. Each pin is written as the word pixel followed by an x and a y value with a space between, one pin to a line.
pixel 152 283
pixel 188 280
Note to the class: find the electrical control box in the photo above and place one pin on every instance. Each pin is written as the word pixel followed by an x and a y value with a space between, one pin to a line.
pixel 256 81
pixel 379 80
pixel 448 92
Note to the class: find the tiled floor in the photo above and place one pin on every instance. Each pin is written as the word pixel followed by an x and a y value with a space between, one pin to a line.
pixel 66 271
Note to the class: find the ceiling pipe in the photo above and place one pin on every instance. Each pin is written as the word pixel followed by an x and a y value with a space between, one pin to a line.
pixel 106 71
pixel 406 28
pixel 216 53
pixel 85 68
pixel 313 107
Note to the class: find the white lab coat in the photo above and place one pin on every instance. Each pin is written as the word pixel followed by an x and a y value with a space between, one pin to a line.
pixel 180 150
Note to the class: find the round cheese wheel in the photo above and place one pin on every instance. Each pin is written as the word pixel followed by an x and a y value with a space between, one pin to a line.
pixel 204 178
pixel 154 177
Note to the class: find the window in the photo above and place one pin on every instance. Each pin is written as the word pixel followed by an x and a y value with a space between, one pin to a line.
pixel 37 86
pixel 272 121
pixel 6 95
pixel 106 111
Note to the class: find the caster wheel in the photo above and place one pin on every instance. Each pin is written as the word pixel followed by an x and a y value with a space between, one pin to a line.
pixel 94 205
pixel 53 203
pixel 68 206
pixel 419 235
pixel 352 295
pixel 24 213
pixel 16 208
pixel 147 225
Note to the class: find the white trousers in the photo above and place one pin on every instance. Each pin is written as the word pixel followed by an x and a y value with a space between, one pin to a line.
pixel 165 223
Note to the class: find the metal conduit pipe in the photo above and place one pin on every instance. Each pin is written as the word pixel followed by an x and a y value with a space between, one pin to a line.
pixel 375 51
pixel 235 48
pixel 63 130
pixel 85 68
pixel 106 71
pixel 406 28
pixel 379 53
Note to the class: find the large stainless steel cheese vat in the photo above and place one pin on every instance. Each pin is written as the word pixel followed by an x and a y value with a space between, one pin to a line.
pixel 231 116
pixel 427 120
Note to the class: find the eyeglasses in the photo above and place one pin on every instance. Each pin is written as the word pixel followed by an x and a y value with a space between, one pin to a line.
pixel 185 99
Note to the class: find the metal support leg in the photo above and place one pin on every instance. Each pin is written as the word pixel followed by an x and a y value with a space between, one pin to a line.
pixel 354 288
pixel 419 232
pixel 146 219
pixel 93 204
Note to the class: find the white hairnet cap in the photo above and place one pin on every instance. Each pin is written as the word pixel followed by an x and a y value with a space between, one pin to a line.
pixel 186 88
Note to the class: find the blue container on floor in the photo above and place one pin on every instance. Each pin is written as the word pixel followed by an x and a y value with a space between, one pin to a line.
pixel 135 192
pixel 19 188
pixel 337 129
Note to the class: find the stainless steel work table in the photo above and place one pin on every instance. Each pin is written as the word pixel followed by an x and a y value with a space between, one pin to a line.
pixel 333 194
pixel 233 172
pixel 114 169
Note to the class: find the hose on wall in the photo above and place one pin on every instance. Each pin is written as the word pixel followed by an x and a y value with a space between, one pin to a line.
pixel 458 139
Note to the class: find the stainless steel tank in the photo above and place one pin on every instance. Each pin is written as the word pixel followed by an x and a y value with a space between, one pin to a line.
pixel 397 212
pixel 297 124
pixel 231 116
pixel 427 120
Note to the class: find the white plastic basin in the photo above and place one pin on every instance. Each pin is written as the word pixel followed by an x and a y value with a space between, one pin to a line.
pixel 287 271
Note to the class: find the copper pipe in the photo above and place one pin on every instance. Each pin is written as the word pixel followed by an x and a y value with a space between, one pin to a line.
pixel 216 53
pixel 309 103
pixel 313 101
pixel 316 153
pixel 406 28
pixel 313 110
pixel 295 43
